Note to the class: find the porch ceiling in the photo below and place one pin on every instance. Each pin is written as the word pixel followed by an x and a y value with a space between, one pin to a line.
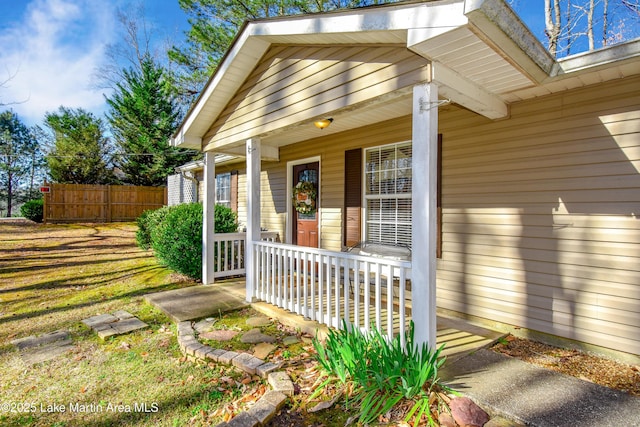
pixel 482 56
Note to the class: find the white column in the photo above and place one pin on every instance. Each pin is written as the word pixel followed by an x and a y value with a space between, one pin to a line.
pixel 253 213
pixel 424 225
pixel 208 218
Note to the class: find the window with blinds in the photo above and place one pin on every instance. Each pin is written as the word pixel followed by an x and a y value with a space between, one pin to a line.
pixel 223 189
pixel 387 194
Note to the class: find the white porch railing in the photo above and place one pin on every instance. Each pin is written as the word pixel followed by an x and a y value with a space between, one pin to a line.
pixel 330 287
pixel 229 250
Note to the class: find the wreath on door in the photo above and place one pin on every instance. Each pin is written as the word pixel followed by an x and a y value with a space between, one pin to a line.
pixel 304 197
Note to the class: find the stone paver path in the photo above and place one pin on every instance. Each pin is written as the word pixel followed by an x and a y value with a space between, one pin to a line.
pixel 36 349
pixel 255 336
pixel 118 323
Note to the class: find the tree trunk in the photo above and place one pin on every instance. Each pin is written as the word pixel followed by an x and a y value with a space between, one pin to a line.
pixel 552 24
pixel 592 44
pixel 9 193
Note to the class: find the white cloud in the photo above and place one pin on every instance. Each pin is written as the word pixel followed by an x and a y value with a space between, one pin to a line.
pixel 52 54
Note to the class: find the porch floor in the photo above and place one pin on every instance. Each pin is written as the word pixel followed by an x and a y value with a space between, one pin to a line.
pixel 196 302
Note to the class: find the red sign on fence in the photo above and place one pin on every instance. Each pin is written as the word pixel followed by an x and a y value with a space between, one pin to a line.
pixel 45 189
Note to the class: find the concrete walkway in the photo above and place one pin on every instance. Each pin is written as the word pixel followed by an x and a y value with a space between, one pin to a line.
pixel 198 302
pixel 538 397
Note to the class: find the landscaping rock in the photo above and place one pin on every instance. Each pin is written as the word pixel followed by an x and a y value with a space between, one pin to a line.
pixel 467 413
pixel 262 350
pixel 446 420
pixel 204 325
pixel 254 336
pixel 258 321
pixel 290 340
pixel 219 335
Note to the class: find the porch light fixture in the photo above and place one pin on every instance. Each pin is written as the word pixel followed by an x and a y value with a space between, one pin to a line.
pixel 321 124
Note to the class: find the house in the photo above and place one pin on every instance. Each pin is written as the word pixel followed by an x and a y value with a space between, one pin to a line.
pixel 186 185
pixel 513 177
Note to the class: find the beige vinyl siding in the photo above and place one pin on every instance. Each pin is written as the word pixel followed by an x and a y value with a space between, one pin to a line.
pixel 293 84
pixel 541 225
pixel 540 215
pixel 331 150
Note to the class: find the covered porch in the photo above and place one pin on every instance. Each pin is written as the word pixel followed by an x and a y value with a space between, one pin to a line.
pixel 459 337
pixel 359 68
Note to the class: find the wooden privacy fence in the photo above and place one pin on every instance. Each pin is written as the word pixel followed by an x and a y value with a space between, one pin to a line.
pixel 99 203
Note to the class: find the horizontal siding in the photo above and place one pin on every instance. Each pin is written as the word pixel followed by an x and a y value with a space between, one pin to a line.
pixel 541 224
pixel 295 84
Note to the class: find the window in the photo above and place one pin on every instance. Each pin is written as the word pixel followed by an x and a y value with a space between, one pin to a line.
pixel 387 194
pixel 223 189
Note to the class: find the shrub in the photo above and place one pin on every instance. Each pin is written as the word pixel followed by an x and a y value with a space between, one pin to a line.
pixel 33 210
pixel 177 239
pixel 381 372
pixel 146 223
pixel 175 234
pixel 226 220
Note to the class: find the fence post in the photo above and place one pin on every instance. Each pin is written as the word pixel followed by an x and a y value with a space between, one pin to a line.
pixel 108 207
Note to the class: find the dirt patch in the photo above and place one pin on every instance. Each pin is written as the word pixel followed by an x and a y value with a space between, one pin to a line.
pixel 588 367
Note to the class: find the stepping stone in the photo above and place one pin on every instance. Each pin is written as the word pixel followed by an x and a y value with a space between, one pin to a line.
pixel 258 321
pixel 37 349
pixel 118 323
pixel 290 340
pixel 219 335
pixel 99 320
pixel 254 336
pixel 262 350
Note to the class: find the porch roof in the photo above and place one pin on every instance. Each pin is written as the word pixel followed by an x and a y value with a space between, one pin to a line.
pixel 482 57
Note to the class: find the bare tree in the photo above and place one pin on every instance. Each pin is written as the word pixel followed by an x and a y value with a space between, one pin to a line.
pixel 4 84
pixel 130 51
pixel 632 5
pixel 589 24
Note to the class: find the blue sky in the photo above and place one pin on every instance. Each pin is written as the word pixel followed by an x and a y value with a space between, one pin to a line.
pixel 49 50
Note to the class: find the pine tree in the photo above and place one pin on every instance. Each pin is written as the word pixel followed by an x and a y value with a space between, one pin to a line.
pixel 143 115
pixel 19 155
pixel 80 152
pixel 214 24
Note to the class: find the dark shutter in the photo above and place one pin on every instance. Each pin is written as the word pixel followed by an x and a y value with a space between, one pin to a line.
pixel 351 225
pixel 234 191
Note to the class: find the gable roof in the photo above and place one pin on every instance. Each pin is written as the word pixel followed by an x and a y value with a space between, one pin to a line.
pixel 482 57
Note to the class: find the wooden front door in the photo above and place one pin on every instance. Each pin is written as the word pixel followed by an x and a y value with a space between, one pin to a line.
pixel 305 224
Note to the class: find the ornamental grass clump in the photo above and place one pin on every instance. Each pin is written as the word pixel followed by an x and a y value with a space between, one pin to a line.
pixel 381 373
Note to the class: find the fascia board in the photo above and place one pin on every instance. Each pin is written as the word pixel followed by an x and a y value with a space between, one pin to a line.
pixel 498 24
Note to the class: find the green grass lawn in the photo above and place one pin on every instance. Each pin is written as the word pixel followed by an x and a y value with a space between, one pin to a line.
pixel 52 277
